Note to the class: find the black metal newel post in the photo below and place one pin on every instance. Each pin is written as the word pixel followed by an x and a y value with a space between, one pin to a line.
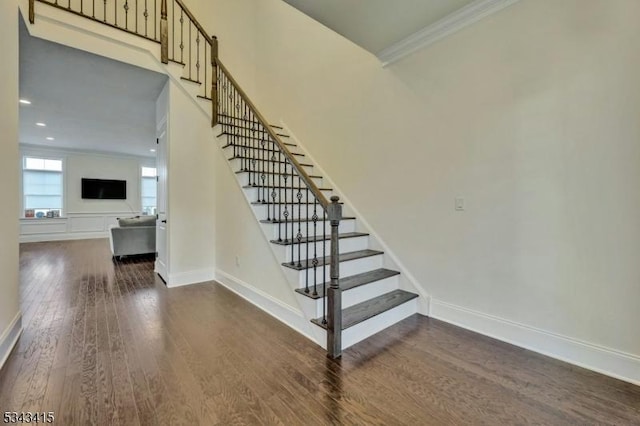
pixel 32 11
pixel 164 33
pixel 214 81
pixel 334 294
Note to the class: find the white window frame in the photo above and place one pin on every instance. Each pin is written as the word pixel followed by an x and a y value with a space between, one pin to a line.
pixel 142 178
pixel 46 156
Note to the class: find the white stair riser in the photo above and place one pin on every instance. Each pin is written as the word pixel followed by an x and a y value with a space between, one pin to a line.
pixel 360 294
pixel 346 245
pixel 348 225
pixel 257 167
pixel 256 144
pixel 284 194
pixel 306 212
pixel 243 178
pixel 351 267
pixel 359 332
pixel 193 88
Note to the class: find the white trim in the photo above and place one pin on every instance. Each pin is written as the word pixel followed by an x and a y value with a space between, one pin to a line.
pixel 448 25
pixel 287 314
pixel 9 338
pixel 611 362
pixel 423 302
pixel 197 276
pixel 40 238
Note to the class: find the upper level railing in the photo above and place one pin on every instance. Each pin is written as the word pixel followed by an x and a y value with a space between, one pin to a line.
pixel 293 200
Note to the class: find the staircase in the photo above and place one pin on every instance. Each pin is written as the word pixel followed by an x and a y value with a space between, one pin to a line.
pixel 342 283
pixel 371 296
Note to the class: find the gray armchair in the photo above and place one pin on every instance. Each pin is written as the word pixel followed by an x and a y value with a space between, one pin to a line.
pixel 133 236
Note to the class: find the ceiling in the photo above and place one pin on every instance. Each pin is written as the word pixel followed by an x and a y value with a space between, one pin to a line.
pixel 377 24
pixel 87 102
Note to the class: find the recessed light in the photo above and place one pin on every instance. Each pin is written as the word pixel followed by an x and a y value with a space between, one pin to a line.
pixel 152 150
pixel 41 125
pixel 51 139
pixel 25 102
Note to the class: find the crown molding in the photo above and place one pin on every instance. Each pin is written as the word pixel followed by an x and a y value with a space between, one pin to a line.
pixel 448 25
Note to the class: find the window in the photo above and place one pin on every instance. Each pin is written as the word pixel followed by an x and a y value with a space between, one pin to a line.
pixel 149 190
pixel 42 187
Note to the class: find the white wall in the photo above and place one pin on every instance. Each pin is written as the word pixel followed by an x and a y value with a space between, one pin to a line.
pixel 80 166
pixel 191 176
pixel 86 218
pixel 531 115
pixel 10 323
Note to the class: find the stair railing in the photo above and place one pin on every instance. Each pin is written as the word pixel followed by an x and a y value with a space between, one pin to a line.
pixel 290 196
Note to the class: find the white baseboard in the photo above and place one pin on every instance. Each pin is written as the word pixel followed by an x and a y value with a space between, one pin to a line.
pixel 40 238
pixel 292 317
pixel 190 277
pixel 623 366
pixel 9 338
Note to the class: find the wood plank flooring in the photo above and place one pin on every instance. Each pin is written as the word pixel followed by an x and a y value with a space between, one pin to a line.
pixel 108 343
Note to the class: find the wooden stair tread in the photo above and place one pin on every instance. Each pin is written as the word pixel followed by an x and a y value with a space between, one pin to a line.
pixel 238 157
pixel 261 149
pixel 354 281
pixel 344 257
pixel 229 117
pixel 295 203
pixel 275 222
pixel 263 131
pixel 363 311
pixel 190 80
pixel 254 138
pixel 272 173
pixel 304 240
pixel 295 188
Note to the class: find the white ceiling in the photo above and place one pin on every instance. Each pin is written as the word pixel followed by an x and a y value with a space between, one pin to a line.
pixel 377 24
pixel 87 101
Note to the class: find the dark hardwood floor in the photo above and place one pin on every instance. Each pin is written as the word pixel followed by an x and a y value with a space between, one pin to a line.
pixel 107 343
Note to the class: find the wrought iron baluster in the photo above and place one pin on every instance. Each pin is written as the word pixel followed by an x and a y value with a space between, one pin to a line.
pixel 306 269
pixel 155 19
pixel 126 14
pixel 324 267
pixel 105 11
pixel 181 34
pixel 265 169
pixel 299 235
pixel 190 58
pixel 198 55
pixel 315 245
pixel 146 18
pixel 279 157
pixel 273 194
pixel 286 201
pixel 115 12
pixel 173 30
pixel 136 30
pixel 292 214
pixel 93 8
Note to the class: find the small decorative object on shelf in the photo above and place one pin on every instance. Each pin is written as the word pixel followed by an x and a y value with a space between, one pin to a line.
pixel 40 215
pixel 50 214
pixel 29 213
pixel 56 213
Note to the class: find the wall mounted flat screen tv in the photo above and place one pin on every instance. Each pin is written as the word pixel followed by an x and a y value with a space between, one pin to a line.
pixel 104 189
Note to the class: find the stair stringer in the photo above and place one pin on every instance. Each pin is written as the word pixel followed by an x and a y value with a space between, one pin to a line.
pixel 407 281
